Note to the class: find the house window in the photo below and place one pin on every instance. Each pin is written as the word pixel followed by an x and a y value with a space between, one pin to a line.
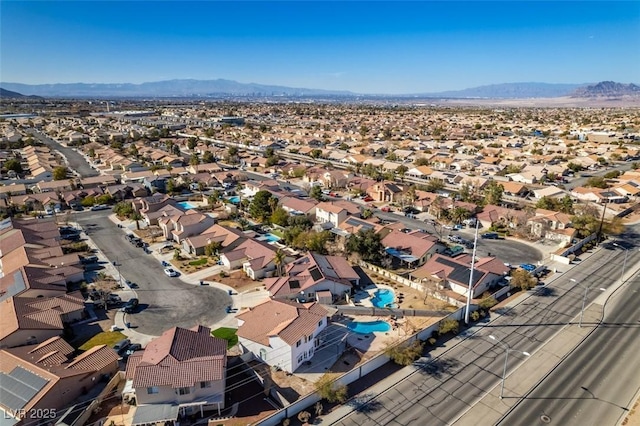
pixel 204 385
pixel 320 323
pixel 183 391
pixel 298 343
pixel 263 354
pixel 153 389
pixel 299 359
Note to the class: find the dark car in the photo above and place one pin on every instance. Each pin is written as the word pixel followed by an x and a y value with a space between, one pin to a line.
pixel 130 306
pixel 490 235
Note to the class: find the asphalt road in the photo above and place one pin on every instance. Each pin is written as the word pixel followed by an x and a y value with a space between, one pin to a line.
pixel 75 160
pixel 440 390
pixel 596 384
pixel 164 302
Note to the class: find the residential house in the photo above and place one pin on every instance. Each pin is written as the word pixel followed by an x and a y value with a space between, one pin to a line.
pixel 256 258
pixel 282 333
pixel 492 214
pixel 177 227
pixel 28 320
pixel 314 273
pixel 42 380
pixel 552 226
pixel 454 273
pixel 228 238
pixel 181 372
pixel 385 192
pixel 414 249
pixel 329 212
pixel 297 206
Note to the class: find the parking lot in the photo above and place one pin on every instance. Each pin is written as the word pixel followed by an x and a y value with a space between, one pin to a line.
pixel 164 301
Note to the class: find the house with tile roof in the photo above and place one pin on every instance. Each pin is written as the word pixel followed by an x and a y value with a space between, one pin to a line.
pixel 29 320
pixel 282 333
pixel 182 371
pixel 454 273
pixel 386 191
pixel 45 378
pixel 552 225
pixel 228 238
pixel 414 249
pixel 329 212
pixel 256 258
pixel 186 224
pixel 311 274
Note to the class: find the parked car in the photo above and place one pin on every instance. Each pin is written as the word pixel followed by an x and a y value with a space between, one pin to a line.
pixel 367 199
pixel 165 264
pixel 490 235
pixel 386 209
pixel 170 272
pixel 89 259
pixel 130 306
pixel 122 346
pixel 131 349
pixel 100 207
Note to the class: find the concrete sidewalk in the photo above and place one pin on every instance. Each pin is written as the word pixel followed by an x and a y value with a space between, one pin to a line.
pixel 490 407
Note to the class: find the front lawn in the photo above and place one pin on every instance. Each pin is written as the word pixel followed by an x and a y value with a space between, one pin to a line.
pixel 109 338
pixel 228 334
pixel 199 262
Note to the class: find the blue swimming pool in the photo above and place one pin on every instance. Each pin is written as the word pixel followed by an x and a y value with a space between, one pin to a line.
pixel 186 205
pixel 234 200
pixel 382 298
pixel 368 327
pixel 271 238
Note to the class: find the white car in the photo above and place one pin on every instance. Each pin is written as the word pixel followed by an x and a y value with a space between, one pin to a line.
pixel 170 272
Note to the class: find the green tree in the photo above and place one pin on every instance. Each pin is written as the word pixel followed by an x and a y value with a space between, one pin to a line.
pixel 434 185
pixel 207 157
pixel 493 193
pixel 171 186
pixel 212 248
pixel 13 164
pixel 194 160
pixel 448 325
pixel 333 392
pixel 60 173
pixel 316 193
pixel 260 208
pixel 367 244
pixel 316 241
pixel 522 279
pixel 192 143
pixel 279 260
pixel 403 354
pixel 280 217
pixel 597 182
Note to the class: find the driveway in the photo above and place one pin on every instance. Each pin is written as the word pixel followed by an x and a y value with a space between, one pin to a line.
pixel 164 302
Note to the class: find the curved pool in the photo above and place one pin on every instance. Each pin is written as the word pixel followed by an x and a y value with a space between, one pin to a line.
pixel 382 298
pixel 368 327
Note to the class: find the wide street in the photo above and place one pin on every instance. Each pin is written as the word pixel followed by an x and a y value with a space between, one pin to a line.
pixel 596 384
pixel 164 302
pixel 439 391
pixel 75 161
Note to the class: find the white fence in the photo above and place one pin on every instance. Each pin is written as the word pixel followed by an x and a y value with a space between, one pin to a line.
pixel 353 375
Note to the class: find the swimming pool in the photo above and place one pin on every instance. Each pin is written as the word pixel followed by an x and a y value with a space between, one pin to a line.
pixel 368 327
pixel 234 200
pixel 271 238
pixel 186 205
pixel 382 298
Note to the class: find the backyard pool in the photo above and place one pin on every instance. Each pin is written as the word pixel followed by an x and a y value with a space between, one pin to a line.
pixel 368 327
pixel 271 238
pixel 383 298
pixel 234 200
pixel 186 205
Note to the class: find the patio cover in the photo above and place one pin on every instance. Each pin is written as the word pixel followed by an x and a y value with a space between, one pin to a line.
pixel 154 413
pixel 405 257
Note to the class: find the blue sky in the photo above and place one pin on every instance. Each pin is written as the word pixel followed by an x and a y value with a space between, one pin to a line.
pixel 365 47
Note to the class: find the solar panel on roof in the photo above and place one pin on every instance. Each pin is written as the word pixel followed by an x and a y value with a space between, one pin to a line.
pixel 315 273
pixel 18 387
pixel 294 284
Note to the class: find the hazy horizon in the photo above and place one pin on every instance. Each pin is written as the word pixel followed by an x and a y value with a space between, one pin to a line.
pixel 362 47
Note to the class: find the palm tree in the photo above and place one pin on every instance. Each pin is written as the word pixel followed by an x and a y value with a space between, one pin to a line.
pixel 137 217
pixel 279 260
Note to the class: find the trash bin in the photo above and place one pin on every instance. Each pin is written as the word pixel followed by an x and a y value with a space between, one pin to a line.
pixel 127 324
pixel 230 292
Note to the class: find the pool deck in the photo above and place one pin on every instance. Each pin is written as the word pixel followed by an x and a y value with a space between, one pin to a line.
pixel 378 340
pixel 363 297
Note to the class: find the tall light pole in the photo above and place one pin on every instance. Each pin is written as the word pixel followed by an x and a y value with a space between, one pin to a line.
pixel 584 299
pixel 470 289
pixel 624 264
pixel 506 359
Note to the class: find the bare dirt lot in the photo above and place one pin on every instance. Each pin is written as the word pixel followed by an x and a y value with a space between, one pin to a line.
pixel 237 280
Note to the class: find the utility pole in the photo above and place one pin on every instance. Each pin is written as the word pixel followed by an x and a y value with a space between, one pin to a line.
pixel 473 262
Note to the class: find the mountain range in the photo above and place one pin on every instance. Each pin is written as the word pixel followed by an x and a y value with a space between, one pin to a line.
pixel 226 88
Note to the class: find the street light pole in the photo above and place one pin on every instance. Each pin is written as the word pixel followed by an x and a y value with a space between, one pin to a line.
pixel 624 264
pixel 506 360
pixel 470 289
pixel 584 299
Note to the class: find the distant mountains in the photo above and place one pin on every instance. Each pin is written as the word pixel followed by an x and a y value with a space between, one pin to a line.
pixel 9 94
pixel 511 91
pixel 168 88
pixel 607 89
pixel 226 88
